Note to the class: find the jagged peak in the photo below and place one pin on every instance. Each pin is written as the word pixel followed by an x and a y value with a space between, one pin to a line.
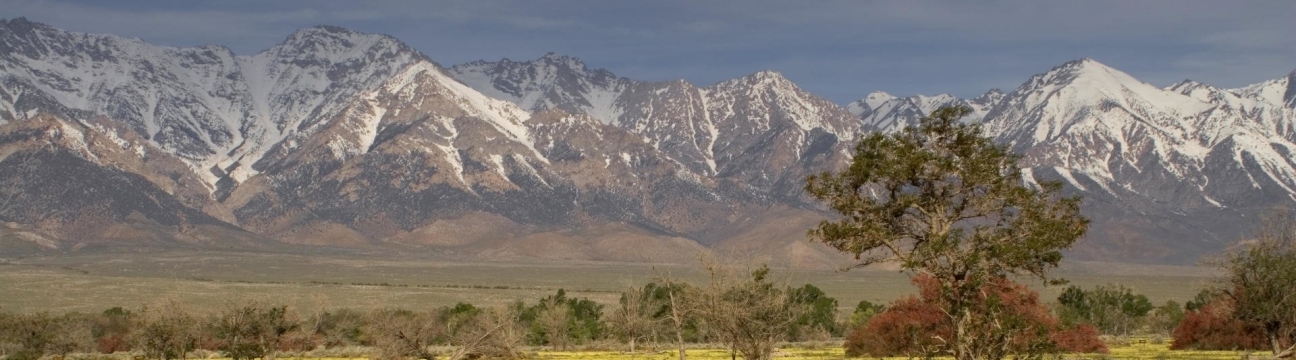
pixel 1280 91
pixel 1084 67
pixel 21 24
pixel 992 95
pixel 568 63
pixel 1201 91
pixel 1187 85
pixel 763 78
pixel 942 97
pixel 553 57
pixel 333 29
pixel 552 60
pixel 329 39
pixel 767 74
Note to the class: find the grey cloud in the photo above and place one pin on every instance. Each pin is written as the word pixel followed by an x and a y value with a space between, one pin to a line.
pixel 841 49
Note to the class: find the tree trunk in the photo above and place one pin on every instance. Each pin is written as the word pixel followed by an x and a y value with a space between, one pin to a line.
pixel 962 342
pixel 1278 351
pixel 679 325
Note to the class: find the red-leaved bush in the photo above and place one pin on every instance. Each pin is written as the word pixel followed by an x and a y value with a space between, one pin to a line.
pixel 909 327
pixel 1213 327
pixel 112 343
pixel 1082 338
pixel 917 327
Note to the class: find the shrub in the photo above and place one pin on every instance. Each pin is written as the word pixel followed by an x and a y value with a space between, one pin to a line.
pixel 909 327
pixel 917 327
pixel 109 344
pixel 1213 327
pixel 1082 338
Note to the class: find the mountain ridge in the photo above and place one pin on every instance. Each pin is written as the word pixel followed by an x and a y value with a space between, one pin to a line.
pixel 340 138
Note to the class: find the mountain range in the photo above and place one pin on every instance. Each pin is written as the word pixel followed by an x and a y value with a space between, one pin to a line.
pixel 340 140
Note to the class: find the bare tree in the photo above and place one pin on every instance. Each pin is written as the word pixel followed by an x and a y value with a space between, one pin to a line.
pixel 8 343
pixel 340 327
pixel 166 331
pixel 555 319
pixel 633 318
pixel 252 331
pixel 401 334
pixel 74 335
pixel 750 313
pixel 678 310
pixel 32 333
pixel 493 333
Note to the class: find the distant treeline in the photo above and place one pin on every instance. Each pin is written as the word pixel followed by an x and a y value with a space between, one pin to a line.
pixel 742 310
pixel 664 311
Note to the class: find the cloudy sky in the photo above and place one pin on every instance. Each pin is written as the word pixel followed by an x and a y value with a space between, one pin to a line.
pixel 841 50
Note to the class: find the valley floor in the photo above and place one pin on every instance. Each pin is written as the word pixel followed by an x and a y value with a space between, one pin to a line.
pixel 208 280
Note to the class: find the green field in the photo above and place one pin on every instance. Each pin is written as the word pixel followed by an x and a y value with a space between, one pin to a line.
pixel 204 280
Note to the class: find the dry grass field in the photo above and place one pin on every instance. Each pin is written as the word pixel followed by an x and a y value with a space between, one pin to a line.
pixel 1124 351
pixel 204 280
pixel 1135 351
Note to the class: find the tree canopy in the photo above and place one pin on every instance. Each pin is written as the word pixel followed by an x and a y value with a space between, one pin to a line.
pixel 1262 283
pixel 942 199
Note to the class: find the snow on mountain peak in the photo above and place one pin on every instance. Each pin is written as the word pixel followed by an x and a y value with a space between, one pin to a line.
pixel 1083 68
pixel 764 81
pixel 331 43
pixel 551 81
pixel 876 98
pixel 571 62
pixel 1280 91
pixel 866 105
pixel 774 97
pixel 989 99
pixel 766 77
pixel 1087 81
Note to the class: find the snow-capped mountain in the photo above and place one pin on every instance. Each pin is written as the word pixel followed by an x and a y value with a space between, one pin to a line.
pixel 1089 118
pixel 1165 171
pixel 551 82
pixel 1280 91
pixel 1189 161
pixel 333 138
pixel 219 112
pixel 761 129
pixel 340 138
pixel 884 112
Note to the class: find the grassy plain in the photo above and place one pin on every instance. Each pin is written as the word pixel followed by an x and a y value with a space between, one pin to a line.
pixel 204 280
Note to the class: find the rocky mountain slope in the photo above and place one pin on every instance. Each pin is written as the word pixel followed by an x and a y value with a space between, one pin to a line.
pixel 1168 173
pixel 760 131
pixel 342 139
pixel 337 138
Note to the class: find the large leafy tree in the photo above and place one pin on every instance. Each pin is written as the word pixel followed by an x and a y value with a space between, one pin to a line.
pixel 944 200
pixel 1262 283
